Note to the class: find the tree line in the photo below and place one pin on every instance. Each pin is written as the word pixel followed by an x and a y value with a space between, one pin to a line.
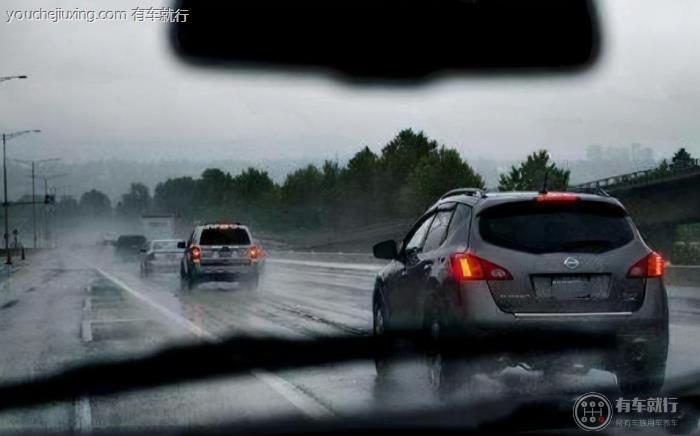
pixel 408 174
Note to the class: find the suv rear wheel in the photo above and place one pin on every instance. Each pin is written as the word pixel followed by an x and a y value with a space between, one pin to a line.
pixel 641 368
pixel 445 373
pixel 187 280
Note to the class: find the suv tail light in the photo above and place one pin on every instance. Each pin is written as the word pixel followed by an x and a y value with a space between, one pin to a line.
pixel 650 266
pixel 195 253
pixel 254 252
pixel 466 266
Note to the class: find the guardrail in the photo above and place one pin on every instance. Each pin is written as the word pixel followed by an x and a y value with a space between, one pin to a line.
pixel 638 177
pixel 683 275
pixel 676 275
pixel 328 256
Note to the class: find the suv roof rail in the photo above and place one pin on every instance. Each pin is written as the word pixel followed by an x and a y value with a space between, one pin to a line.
pixel 595 190
pixel 472 192
pixel 221 223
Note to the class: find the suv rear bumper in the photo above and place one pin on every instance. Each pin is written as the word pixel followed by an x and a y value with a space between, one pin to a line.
pixel 479 313
pixel 204 272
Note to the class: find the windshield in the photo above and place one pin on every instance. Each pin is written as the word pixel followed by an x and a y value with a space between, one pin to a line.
pixel 357 248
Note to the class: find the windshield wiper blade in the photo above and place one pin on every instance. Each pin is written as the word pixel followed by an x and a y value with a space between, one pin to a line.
pixel 240 355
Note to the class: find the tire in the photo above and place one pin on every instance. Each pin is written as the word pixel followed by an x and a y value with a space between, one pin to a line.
pixel 187 282
pixel 448 371
pixel 191 281
pixel 183 283
pixel 642 371
pixel 442 370
pixel 382 351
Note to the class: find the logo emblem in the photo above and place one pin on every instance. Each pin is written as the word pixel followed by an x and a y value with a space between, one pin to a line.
pixel 571 263
pixel 592 411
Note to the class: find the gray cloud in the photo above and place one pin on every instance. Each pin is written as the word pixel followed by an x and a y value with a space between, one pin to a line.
pixel 113 89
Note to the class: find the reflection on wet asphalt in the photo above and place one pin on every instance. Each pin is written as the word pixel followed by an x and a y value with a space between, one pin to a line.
pixel 59 311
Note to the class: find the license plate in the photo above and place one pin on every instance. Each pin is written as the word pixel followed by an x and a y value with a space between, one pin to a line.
pixel 571 287
pixel 570 281
pixel 224 253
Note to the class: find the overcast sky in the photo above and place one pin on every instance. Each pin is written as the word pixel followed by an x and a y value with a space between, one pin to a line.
pixel 113 89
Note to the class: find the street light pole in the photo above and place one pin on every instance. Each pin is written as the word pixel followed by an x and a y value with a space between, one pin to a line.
pixel 46 219
pixel 46 194
pixel 33 206
pixel 34 165
pixel 8 257
pixel 5 137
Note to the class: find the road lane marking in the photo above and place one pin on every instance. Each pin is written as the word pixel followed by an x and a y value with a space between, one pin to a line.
pixel 118 320
pixel 172 316
pixel 86 330
pixel 87 306
pixel 83 415
pixel 308 405
pixel 82 411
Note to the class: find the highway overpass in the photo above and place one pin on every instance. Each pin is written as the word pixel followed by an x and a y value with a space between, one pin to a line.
pixel 658 202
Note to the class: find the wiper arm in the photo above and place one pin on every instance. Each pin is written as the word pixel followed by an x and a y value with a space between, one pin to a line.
pixel 240 355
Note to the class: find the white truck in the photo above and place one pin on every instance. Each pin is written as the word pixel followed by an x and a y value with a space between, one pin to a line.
pixel 158 226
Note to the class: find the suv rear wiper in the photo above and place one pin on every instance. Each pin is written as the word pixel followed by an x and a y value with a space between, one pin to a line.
pixel 241 355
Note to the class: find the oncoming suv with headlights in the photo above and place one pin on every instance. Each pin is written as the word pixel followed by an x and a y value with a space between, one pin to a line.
pixel 490 263
pixel 221 252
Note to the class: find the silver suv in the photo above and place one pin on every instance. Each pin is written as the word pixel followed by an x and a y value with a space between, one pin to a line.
pixel 221 252
pixel 491 263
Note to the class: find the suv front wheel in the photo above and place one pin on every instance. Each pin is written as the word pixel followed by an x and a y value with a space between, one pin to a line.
pixel 382 351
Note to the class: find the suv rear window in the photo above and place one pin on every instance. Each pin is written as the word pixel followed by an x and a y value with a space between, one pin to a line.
pixel 224 236
pixel 586 227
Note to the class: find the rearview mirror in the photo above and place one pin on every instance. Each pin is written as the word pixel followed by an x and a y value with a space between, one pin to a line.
pixel 182 244
pixel 385 250
pixel 389 39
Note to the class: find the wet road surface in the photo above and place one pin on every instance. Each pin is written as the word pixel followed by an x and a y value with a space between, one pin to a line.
pixel 61 310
